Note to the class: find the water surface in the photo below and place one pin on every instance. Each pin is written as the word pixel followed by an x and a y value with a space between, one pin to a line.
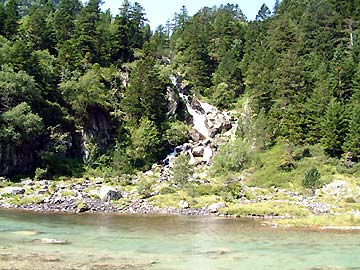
pixel 102 241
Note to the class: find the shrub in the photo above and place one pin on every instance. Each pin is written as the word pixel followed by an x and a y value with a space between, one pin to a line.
pixel 182 170
pixel 311 179
pixel 231 157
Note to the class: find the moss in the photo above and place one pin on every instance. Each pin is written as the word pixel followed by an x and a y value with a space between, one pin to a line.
pixel 265 209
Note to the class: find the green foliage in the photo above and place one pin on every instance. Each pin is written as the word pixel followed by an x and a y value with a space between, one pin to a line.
pixel 182 170
pixel 20 125
pixel 231 157
pixel 177 133
pixel 263 209
pixel 311 179
pixel 144 143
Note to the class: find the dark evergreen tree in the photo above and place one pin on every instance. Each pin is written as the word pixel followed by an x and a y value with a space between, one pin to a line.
pixel 11 19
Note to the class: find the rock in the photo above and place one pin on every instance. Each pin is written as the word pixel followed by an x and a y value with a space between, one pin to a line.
pixel 53 241
pixel 207 155
pixel 216 206
pixel 196 136
pixel 198 151
pixel 108 193
pixel 183 204
pixel 337 188
pixel 12 191
pixel 26 233
pixel 27 182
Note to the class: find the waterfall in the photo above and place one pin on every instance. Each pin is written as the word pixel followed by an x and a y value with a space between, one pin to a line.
pixel 199 119
pixel 208 121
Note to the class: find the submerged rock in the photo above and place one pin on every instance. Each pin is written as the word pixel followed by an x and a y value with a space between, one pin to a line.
pixel 51 241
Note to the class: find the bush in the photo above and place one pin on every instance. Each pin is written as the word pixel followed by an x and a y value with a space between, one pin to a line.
pixel 182 170
pixel 177 133
pixel 311 179
pixel 231 157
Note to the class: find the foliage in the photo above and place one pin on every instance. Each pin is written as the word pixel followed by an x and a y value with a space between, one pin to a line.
pixel 182 170
pixel 231 157
pixel 177 133
pixel 311 179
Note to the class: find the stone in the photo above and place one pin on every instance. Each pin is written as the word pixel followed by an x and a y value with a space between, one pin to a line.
pixel 12 191
pixel 196 136
pixel 108 193
pixel 338 188
pixel 183 204
pixel 53 241
pixel 198 151
pixel 216 207
pixel 207 155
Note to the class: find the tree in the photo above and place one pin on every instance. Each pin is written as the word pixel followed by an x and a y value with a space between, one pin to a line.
pixel 352 141
pixel 64 19
pixel 311 179
pixel 182 170
pixel 11 19
pixel 264 13
pixel 145 143
pixel 333 128
pixel 145 95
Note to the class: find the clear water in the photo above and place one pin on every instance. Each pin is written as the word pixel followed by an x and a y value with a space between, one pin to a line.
pixel 99 241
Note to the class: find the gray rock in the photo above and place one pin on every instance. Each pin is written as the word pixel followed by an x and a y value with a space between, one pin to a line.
pixel 108 193
pixel 337 188
pixel 198 151
pixel 12 191
pixel 216 206
pixel 183 204
pixel 54 241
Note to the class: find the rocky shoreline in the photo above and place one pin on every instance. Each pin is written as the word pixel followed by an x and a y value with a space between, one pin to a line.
pixel 40 196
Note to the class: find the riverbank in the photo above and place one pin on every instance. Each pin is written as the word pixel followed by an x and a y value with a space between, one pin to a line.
pixel 277 207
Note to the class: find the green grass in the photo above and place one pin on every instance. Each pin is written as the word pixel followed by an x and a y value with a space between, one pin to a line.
pixel 284 168
pixel 263 209
pixel 17 200
pixel 342 220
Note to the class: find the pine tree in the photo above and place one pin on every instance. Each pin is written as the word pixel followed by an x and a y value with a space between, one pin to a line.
pixel 64 19
pixel 11 19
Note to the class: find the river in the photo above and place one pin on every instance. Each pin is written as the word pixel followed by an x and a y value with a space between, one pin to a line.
pixel 103 241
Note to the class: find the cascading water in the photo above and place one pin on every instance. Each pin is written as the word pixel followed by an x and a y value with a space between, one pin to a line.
pixel 205 120
pixel 199 119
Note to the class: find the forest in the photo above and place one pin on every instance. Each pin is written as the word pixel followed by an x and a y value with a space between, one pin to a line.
pixel 82 89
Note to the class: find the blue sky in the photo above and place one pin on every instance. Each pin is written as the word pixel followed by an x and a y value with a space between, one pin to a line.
pixel 158 11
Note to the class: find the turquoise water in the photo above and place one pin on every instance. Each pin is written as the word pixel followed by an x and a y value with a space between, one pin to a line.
pixel 99 241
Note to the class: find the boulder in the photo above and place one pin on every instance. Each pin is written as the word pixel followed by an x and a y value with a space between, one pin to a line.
pixel 183 204
pixel 196 136
pixel 198 151
pixel 216 207
pixel 207 154
pixel 108 193
pixel 337 188
pixel 12 191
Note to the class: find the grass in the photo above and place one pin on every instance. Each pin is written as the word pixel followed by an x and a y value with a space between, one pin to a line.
pixel 284 166
pixel 17 200
pixel 341 220
pixel 262 209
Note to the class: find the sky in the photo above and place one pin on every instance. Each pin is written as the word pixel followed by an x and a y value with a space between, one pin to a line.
pixel 159 11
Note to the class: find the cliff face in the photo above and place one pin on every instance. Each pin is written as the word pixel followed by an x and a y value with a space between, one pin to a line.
pixel 17 159
pixel 97 133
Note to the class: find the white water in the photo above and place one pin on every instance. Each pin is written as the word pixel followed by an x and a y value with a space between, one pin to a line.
pixel 199 119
